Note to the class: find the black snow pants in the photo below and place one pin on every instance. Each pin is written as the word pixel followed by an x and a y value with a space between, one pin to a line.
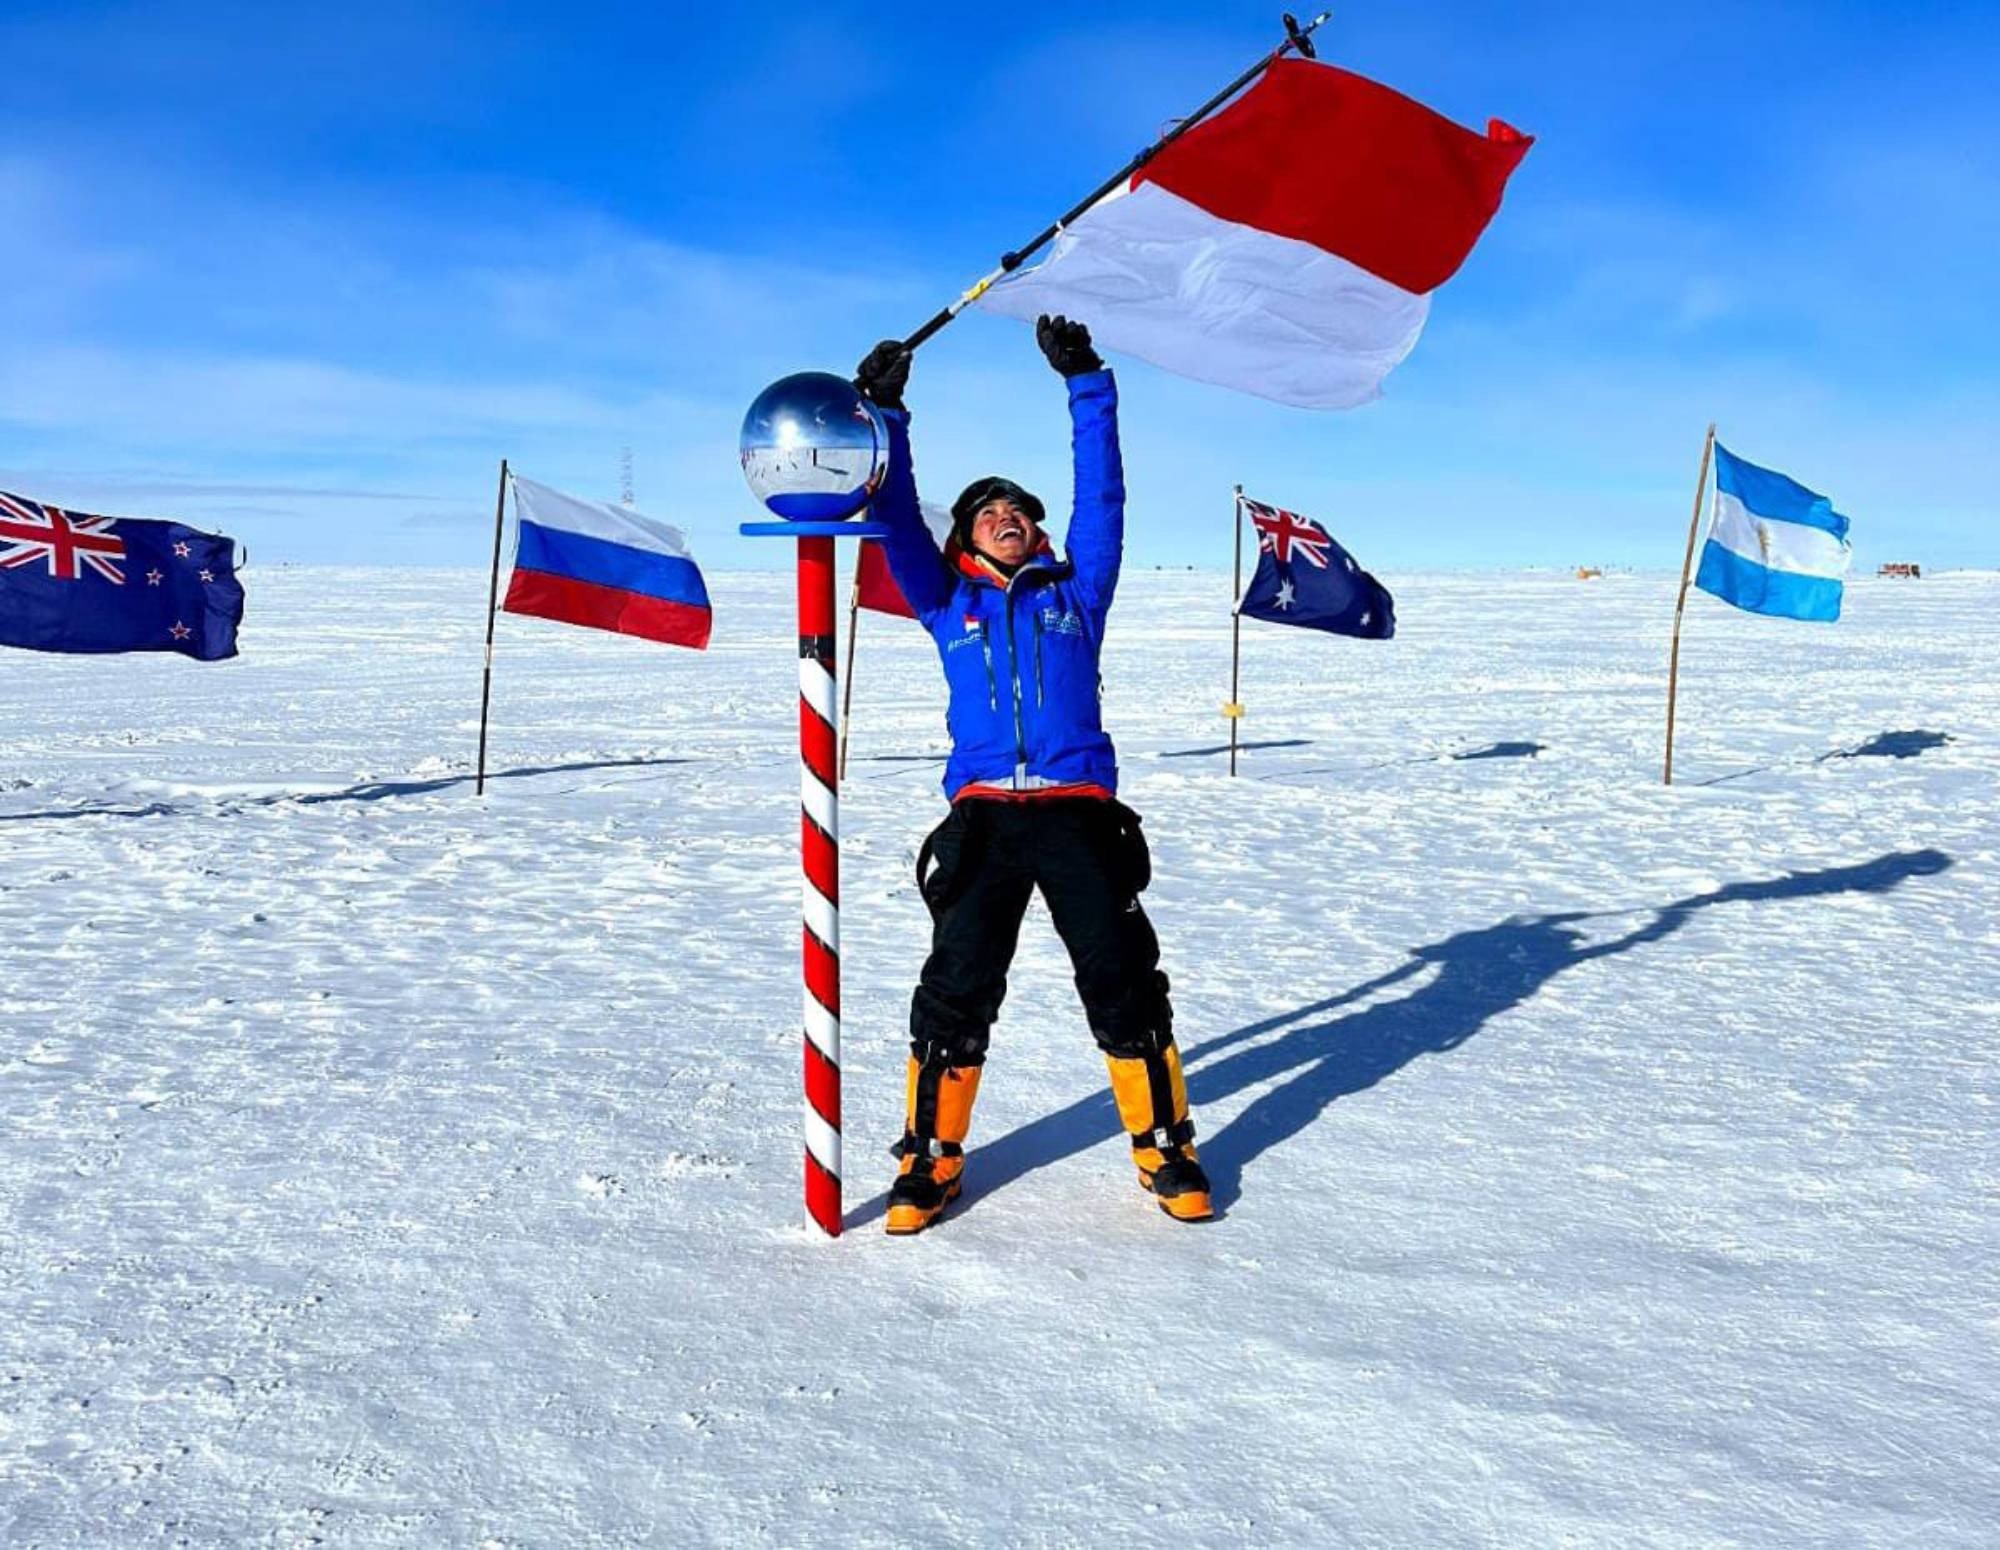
pixel 977 871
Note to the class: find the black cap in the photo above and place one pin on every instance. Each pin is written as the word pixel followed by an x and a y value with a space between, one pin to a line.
pixel 991 488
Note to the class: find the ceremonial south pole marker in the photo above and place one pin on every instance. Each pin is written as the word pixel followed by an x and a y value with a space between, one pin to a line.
pixel 814 452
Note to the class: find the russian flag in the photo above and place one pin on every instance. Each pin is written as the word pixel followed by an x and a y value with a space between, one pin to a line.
pixel 1286 247
pixel 604 567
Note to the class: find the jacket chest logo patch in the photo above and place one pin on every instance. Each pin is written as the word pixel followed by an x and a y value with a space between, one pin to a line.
pixel 975 633
pixel 1057 620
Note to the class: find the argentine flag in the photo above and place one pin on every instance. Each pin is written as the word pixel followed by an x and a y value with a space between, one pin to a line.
pixel 1774 547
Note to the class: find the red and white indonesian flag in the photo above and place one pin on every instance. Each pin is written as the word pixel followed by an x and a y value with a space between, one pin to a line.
pixel 874 586
pixel 1288 246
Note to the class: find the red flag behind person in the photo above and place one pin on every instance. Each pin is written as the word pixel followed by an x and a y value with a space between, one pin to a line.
pixel 874 587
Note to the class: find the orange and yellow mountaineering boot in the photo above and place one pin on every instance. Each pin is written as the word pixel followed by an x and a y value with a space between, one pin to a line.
pixel 1153 1105
pixel 938 1117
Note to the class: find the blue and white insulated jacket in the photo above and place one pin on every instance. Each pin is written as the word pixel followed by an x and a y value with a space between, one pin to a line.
pixel 1020 656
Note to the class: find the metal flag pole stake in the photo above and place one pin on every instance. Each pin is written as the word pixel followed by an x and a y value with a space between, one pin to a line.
pixel 1298 40
pixel 1234 709
pixel 1680 606
pixel 492 608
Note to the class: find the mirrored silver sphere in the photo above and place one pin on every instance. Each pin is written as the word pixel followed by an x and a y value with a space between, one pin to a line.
pixel 813 449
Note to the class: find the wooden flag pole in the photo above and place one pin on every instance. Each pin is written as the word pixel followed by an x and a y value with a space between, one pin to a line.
pixel 847 688
pixel 1234 709
pixel 1680 606
pixel 492 608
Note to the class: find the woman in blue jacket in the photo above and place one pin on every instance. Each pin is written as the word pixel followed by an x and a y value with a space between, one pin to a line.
pixel 1032 781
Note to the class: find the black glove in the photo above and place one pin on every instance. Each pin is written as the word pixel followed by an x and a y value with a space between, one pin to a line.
pixel 1067 345
pixel 883 374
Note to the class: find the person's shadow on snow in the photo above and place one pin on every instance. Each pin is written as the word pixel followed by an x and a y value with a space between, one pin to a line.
pixel 1477 975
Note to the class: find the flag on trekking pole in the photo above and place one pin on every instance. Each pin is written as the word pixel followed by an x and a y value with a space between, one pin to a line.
pixel 875 587
pixel 1303 577
pixel 70 582
pixel 604 567
pixel 1774 547
pixel 1286 247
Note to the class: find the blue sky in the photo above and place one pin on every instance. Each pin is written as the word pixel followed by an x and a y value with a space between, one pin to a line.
pixel 307 273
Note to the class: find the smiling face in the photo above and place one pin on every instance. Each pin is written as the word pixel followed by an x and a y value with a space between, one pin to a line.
pixel 1003 533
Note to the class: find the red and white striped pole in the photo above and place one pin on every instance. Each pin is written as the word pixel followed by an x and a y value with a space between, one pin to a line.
pixel 819 855
pixel 801 430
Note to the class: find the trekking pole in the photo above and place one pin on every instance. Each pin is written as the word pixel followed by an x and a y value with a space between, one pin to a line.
pixel 1298 40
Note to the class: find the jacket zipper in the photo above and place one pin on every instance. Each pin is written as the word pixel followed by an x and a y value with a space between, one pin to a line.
pixel 1041 691
pixel 992 678
pixel 1014 673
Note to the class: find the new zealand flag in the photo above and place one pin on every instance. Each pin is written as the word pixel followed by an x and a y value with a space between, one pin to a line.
pixel 1305 578
pixel 70 582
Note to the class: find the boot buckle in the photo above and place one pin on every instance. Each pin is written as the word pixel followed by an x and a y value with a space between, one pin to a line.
pixel 929 1147
pixel 1164 1138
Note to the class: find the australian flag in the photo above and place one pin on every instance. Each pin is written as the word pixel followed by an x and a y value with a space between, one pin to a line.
pixel 1304 577
pixel 70 582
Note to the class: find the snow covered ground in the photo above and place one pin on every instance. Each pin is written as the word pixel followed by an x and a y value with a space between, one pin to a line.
pixel 1604 1165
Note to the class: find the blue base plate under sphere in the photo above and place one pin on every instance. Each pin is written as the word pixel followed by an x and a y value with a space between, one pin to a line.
pixel 814 529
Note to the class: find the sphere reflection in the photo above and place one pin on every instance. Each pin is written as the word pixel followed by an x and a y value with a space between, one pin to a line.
pixel 813 449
